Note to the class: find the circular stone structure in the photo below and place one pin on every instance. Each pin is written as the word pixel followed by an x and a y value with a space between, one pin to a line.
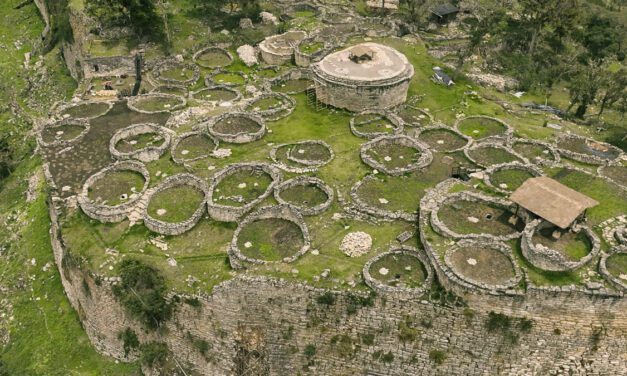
pixel 271 106
pixel 302 157
pixel 220 94
pixel 303 182
pixel 232 213
pixel 176 228
pixel 145 154
pixel 213 57
pixel 362 77
pixel 442 138
pixel 395 146
pixel 135 103
pixel 617 276
pixel 281 212
pixel 484 264
pixel 63 133
pixel 365 124
pixel 160 73
pixel 223 127
pixel 518 172
pixel 279 49
pixel 400 255
pixel 545 258
pixel 85 109
pixel 199 144
pixel 112 213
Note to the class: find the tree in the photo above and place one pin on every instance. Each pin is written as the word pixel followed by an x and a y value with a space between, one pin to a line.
pixel 614 87
pixel 139 15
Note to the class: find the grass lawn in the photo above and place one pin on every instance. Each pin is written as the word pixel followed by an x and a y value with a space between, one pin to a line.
pixel 64 132
pixel 617 266
pixel 270 239
pixel 513 178
pixel 213 59
pixel 616 173
pixel 264 104
pixel 484 265
pixel 306 195
pixel 179 202
pixel 309 48
pixel 114 185
pixel 156 103
pixel 178 73
pixel 488 156
pixel 466 217
pixel 442 140
pixel 479 128
pixel 394 156
pixel 570 245
pixel 85 110
pixel 531 151
pixel 140 141
pixel 399 270
pixel 229 78
pixel 216 95
pixel 292 86
pixel 194 146
pixel 241 187
pixel 236 124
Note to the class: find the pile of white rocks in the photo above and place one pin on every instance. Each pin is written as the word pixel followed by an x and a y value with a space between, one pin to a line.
pixel 356 244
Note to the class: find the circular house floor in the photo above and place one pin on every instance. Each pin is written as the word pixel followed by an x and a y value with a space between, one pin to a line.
pixel 363 77
pixel 404 271
pixel 145 142
pixel 395 155
pixel 236 127
pixel 271 234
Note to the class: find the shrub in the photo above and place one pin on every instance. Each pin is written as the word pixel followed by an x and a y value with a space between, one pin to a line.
pixel 129 340
pixel 327 299
pixel 194 302
pixel 525 325
pixel 407 333
pixel 154 353
pixel 142 293
pixel 310 351
pixel 437 356
pixel 367 339
pixel 201 345
pixel 498 321
pixel 388 357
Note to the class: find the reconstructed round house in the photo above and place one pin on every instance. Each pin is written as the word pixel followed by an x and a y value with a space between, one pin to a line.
pixel 361 77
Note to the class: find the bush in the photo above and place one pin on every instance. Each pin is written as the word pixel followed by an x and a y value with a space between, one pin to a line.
pixel 327 299
pixel 356 301
pixel 437 356
pixel 498 321
pixel 154 353
pixel 142 293
pixel 525 325
pixel 129 340
pixel 310 351
pixel 388 357
pixel 367 339
pixel 407 333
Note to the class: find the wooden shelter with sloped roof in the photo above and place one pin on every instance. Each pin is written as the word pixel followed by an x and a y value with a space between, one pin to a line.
pixel 552 201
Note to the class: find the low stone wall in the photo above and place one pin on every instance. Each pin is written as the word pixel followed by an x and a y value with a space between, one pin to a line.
pixel 66 106
pixel 210 78
pixel 618 283
pixel 305 180
pixel 58 143
pixel 288 104
pixel 549 259
pixel 587 158
pixel 395 291
pixel 147 154
pixel 425 113
pixel 279 49
pixel 173 64
pixel 294 74
pixel 230 89
pixel 421 130
pixel 425 154
pixel 116 213
pixel 362 206
pixel 309 166
pixel 132 102
pixel 208 49
pixel 539 160
pixel 487 174
pixel 443 229
pixel 396 121
pixel 236 138
pixel 237 258
pixel 183 136
pixel 226 213
pixel 489 244
pixel 168 228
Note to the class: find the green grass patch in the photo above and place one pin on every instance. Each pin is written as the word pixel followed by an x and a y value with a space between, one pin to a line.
pixel 512 177
pixel 116 187
pixel 241 187
pixel 179 202
pixel 399 270
pixel 270 239
pixel 479 128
